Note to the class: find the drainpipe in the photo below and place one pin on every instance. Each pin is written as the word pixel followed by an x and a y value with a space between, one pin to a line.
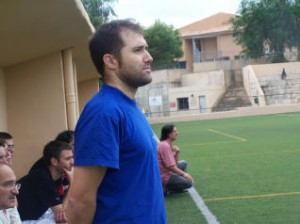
pixel 70 90
pixel 196 56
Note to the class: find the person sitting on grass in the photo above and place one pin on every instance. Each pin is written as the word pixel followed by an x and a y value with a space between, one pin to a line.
pixel 173 172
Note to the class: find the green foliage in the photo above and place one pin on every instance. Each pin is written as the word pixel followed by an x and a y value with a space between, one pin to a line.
pixel 164 44
pixel 296 12
pixel 275 21
pixel 99 11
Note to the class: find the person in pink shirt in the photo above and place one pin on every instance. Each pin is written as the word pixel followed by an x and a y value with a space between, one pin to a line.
pixel 172 172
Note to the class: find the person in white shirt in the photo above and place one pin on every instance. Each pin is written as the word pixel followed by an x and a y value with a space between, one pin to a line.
pixel 10 215
pixel 8 192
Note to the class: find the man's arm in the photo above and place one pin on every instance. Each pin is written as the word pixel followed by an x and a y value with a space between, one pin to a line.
pixel 80 203
pixel 175 150
pixel 178 171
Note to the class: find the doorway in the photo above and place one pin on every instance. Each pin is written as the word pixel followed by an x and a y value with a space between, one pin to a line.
pixel 202 104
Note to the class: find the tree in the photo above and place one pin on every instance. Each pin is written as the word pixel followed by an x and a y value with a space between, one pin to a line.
pixel 296 11
pixel 99 11
pixel 164 44
pixel 266 20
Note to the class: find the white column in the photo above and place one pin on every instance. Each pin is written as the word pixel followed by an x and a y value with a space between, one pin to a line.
pixel 70 89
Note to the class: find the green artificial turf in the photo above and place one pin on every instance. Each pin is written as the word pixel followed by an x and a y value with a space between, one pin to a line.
pixel 182 209
pixel 246 169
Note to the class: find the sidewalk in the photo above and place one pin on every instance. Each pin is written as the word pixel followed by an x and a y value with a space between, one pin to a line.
pixel 239 112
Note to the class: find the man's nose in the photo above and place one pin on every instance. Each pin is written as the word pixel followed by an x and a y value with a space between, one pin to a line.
pixel 149 57
pixel 15 191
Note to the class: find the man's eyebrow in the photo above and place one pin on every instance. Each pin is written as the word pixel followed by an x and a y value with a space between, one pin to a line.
pixel 9 182
pixel 141 46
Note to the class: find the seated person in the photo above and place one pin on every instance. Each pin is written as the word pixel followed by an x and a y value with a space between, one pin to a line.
pixel 173 172
pixel 40 197
pixel 283 74
pixel 8 191
pixel 9 146
pixel 10 215
pixel 66 136
pixel 2 152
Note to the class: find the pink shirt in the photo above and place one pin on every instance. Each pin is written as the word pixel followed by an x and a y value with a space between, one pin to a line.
pixel 166 159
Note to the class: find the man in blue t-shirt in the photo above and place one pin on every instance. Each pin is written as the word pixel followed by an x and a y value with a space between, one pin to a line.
pixel 116 174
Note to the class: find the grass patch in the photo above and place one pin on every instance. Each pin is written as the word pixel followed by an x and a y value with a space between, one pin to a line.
pixel 181 209
pixel 236 159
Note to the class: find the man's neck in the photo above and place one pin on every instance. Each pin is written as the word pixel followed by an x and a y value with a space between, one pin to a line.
pixel 125 89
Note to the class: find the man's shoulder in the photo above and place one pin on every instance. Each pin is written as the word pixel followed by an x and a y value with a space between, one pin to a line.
pixel 36 173
pixel 164 144
pixel 33 177
pixel 101 103
pixel 164 147
pixel 110 106
pixel 39 164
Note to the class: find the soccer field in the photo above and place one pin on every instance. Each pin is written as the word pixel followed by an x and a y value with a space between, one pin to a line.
pixel 245 169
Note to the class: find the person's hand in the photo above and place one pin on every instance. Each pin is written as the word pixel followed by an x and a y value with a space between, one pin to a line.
pixel 175 151
pixel 188 177
pixel 61 217
pixel 175 148
pixel 69 174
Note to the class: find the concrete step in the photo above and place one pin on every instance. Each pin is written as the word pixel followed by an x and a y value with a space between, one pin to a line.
pixel 234 97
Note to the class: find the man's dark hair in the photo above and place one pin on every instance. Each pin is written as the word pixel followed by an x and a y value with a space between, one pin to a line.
pixel 65 136
pixel 107 40
pixel 2 142
pixel 53 149
pixel 5 136
pixel 166 130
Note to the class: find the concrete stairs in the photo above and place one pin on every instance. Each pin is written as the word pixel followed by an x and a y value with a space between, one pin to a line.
pixel 235 95
pixel 278 91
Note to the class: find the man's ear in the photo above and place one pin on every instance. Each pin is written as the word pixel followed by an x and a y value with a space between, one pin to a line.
pixel 54 161
pixel 110 61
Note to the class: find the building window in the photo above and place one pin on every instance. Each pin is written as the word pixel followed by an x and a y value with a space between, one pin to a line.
pixel 183 103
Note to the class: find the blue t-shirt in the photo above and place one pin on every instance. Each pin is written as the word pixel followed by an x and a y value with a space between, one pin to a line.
pixel 113 132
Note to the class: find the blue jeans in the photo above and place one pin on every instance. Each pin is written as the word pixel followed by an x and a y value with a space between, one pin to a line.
pixel 177 182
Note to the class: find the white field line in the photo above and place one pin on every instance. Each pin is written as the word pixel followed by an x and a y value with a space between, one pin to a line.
pixel 210 218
